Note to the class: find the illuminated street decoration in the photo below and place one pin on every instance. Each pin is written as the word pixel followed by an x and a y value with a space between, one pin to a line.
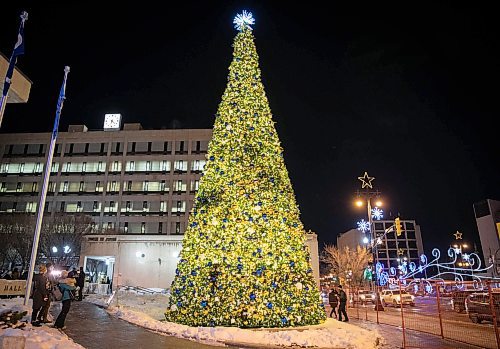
pixel 366 181
pixel 409 270
pixel 363 226
pixel 458 235
pixel 377 213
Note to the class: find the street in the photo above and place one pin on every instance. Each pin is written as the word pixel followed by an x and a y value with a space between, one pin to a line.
pixel 424 317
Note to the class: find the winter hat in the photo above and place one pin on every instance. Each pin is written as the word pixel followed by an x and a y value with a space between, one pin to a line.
pixel 64 274
pixel 42 268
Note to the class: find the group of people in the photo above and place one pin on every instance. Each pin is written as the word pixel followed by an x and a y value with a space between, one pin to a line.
pixel 338 298
pixel 45 285
pixel 13 274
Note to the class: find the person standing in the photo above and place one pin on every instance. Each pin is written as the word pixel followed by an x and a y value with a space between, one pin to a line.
pixel 67 285
pixel 333 299
pixel 342 304
pixel 80 282
pixel 41 290
pixel 44 315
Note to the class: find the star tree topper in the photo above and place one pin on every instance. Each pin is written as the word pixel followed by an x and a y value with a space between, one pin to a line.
pixel 243 20
pixel 366 181
pixel 458 235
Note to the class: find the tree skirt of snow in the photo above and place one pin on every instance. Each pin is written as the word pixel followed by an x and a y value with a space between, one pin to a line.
pixel 36 338
pixel 331 334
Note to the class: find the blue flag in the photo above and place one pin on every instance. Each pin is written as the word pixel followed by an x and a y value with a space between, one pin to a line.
pixel 60 101
pixel 18 50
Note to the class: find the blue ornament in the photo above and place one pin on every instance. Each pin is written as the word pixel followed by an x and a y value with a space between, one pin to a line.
pixel 179 304
pixel 292 263
pixel 194 273
pixel 270 305
pixel 177 291
pixel 177 272
pixel 259 272
pixel 252 296
pixel 259 250
pixel 212 158
pixel 284 320
pixel 274 285
pixel 203 304
pixel 240 266
pixel 259 203
pixel 289 308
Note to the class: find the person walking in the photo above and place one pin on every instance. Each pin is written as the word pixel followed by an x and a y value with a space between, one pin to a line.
pixel 80 282
pixel 41 290
pixel 342 304
pixel 333 299
pixel 67 286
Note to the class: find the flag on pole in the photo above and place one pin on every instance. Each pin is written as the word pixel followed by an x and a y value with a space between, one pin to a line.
pixel 60 101
pixel 18 50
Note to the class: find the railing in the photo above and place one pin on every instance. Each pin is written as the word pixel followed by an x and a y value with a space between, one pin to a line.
pixel 460 311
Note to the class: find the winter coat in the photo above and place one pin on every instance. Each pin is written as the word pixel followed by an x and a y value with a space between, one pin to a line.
pixel 41 290
pixel 343 296
pixel 66 291
pixel 333 298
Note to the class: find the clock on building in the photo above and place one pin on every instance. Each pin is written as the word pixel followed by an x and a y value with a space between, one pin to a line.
pixel 112 121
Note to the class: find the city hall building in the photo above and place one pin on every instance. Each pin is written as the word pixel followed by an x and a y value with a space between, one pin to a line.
pixel 137 185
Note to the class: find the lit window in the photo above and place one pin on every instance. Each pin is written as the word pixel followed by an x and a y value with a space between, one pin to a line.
pixel 177 227
pixel 143 228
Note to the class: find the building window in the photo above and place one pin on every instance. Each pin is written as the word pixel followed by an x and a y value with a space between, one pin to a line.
pixel 179 206
pixel 68 167
pixel 84 167
pixel 145 206
pixel 82 186
pixel 177 227
pixel 52 185
pixel 19 187
pixel 148 165
pixel 162 185
pixel 34 187
pixel 198 146
pixel 160 227
pixel 127 206
pixel 62 206
pixel 95 206
pixel 3 187
pixel 110 226
pixel 163 206
pixel 129 186
pixel 145 186
pixel 98 186
pixel 165 166
pixel 113 186
pixel 14 206
pixel 143 227
pixel 125 225
pixel 65 186
pixel 112 207
pixel 36 169
pixel 79 206
pixel 54 167
pixel 99 166
pixel 116 166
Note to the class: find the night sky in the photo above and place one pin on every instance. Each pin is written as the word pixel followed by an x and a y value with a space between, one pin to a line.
pixel 406 93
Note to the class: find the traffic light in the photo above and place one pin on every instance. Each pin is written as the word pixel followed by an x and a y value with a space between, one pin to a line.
pixel 398 226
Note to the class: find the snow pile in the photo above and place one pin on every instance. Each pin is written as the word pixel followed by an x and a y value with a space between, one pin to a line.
pixel 36 337
pixel 145 311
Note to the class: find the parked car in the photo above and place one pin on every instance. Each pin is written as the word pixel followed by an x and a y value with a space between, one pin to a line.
pixel 364 297
pixel 479 308
pixel 396 297
pixel 458 299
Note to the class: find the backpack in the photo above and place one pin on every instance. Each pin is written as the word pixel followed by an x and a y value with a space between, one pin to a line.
pixel 56 293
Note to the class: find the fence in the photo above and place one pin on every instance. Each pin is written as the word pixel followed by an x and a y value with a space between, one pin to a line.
pixel 467 312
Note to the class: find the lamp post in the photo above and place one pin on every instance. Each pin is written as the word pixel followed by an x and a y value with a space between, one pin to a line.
pixel 368 194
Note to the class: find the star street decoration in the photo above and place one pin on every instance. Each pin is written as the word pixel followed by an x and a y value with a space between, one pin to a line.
pixel 458 235
pixel 366 181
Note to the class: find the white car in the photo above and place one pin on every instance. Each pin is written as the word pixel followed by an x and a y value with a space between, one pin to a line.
pixel 395 298
pixel 365 296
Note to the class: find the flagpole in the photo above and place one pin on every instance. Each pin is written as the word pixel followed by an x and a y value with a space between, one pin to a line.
pixel 18 50
pixel 43 196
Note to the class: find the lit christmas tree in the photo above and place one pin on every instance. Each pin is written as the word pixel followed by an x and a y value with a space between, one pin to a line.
pixel 244 261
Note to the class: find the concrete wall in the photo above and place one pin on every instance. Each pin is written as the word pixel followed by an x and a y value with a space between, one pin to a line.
pixel 151 260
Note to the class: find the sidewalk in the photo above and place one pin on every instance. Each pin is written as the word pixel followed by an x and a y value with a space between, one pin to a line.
pixel 394 337
pixel 93 328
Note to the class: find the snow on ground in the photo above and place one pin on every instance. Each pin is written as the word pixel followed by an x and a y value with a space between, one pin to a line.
pixel 147 311
pixel 36 337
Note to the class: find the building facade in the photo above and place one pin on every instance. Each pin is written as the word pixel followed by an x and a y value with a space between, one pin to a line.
pixel 129 180
pixel 392 249
pixel 137 185
pixel 487 213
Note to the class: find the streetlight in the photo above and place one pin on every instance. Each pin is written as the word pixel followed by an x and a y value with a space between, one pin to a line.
pixel 367 195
